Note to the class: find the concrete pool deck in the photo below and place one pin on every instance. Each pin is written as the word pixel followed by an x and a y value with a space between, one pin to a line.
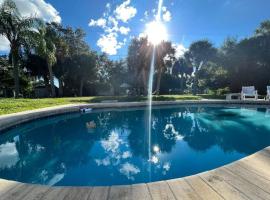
pixel 248 178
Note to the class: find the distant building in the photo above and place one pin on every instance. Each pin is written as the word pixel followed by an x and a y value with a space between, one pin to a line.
pixel 41 91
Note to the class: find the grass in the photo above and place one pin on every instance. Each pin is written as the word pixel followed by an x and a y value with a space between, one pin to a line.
pixel 10 105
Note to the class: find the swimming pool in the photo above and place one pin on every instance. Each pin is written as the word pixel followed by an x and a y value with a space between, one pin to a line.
pixel 111 147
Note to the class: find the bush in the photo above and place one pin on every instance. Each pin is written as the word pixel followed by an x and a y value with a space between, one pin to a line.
pixel 222 91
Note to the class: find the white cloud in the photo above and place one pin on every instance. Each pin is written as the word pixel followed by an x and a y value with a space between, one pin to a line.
pixel 4 44
pixel 124 12
pixel 167 16
pixel 110 23
pixel 101 22
pixel 8 155
pixel 109 44
pixel 105 162
pixel 126 154
pixel 124 30
pixel 112 143
pixel 38 8
pixel 167 166
pixel 170 133
pixel 113 25
pixel 164 8
pixel 179 50
pixel 55 179
pixel 108 5
pixel 154 159
pixel 129 170
pixel 109 40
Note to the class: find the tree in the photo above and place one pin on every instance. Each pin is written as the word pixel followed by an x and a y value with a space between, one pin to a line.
pixel 37 67
pixel 86 68
pixel 75 41
pixel 103 66
pixel 5 75
pixel 264 28
pixel 138 62
pixel 164 57
pixel 181 70
pixel 46 48
pixel 248 60
pixel 212 76
pixel 70 45
pixel 16 29
pixel 118 75
pixel 62 53
pixel 199 54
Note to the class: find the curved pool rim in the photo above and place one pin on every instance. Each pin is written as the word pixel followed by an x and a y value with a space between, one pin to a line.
pixel 11 120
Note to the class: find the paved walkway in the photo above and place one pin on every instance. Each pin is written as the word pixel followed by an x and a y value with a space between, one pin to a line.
pixel 248 178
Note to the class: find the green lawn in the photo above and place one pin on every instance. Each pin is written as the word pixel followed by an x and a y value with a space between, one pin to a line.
pixel 10 105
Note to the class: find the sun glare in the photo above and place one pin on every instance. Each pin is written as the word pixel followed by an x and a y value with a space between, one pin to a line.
pixel 156 32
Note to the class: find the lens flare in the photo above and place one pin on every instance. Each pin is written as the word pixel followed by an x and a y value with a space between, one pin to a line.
pixel 156 149
pixel 156 32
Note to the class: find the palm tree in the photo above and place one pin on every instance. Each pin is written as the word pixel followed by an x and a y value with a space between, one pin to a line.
pixel 138 60
pixel 46 48
pixel 164 56
pixel 16 29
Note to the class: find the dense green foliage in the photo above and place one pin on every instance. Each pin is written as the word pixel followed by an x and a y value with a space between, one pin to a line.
pixel 17 30
pixel 43 55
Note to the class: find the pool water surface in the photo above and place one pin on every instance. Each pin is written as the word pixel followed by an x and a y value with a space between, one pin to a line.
pixel 111 147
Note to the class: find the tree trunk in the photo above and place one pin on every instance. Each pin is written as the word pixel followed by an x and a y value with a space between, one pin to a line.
pixel 51 80
pixel 14 56
pixel 182 84
pixel 196 81
pixel 145 82
pixel 158 82
pixel 195 84
pixel 81 88
pixel 61 87
pixel 47 83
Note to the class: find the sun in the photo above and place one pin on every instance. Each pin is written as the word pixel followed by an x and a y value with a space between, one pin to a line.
pixel 156 32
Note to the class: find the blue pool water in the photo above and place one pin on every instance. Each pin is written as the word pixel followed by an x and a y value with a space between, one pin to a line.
pixel 64 150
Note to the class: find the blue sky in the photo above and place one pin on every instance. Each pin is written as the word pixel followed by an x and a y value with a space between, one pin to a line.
pixel 186 20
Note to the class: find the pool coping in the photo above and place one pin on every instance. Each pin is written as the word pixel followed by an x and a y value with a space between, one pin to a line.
pixel 225 182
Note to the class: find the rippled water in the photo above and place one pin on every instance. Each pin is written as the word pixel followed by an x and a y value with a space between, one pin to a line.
pixel 64 150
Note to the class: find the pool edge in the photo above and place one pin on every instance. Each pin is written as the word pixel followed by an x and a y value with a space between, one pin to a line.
pixel 10 120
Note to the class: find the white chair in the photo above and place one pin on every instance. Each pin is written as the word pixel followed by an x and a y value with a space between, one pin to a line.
pixel 249 92
pixel 268 93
